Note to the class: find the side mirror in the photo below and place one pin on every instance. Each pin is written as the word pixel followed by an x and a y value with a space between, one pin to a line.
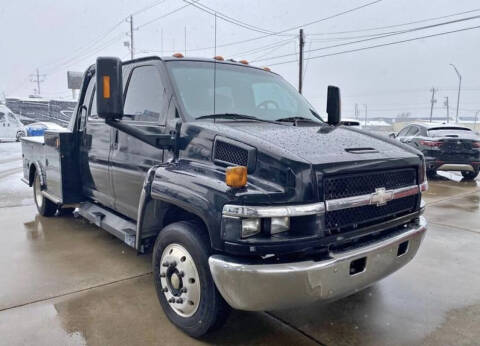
pixel 392 135
pixel 333 105
pixel 109 88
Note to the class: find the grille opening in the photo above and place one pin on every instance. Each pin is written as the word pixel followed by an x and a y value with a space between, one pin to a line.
pixel 348 185
pixel 402 248
pixel 345 220
pixel 358 266
pixel 229 153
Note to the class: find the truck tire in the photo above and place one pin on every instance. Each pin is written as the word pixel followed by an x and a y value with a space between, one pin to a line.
pixel 183 281
pixel 467 175
pixel 45 206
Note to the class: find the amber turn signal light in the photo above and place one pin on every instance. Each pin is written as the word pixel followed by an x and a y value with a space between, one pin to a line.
pixel 106 87
pixel 236 176
pixel 178 55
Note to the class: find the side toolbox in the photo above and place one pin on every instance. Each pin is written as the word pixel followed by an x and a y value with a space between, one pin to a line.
pixel 61 168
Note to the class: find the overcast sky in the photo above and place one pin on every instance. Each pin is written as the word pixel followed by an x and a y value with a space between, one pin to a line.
pixel 56 36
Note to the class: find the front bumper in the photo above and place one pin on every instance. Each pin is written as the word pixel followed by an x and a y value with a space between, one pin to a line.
pixel 260 287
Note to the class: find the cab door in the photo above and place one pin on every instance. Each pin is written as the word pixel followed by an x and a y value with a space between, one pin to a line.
pixel 94 151
pixel 145 106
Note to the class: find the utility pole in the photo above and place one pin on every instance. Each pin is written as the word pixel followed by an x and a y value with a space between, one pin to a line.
pixel 37 78
pixel 356 111
pixel 215 51
pixel 366 114
pixel 448 109
pixel 132 54
pixel 459 88
pixel 475 123
pixel 300 61
pixel 432 102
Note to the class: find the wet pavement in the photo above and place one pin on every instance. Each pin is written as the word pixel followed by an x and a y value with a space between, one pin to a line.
pixel 65 282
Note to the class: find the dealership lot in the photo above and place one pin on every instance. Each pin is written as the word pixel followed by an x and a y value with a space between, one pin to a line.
pixel 64 281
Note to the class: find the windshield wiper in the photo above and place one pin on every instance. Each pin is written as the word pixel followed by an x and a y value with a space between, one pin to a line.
pixel 233 116
pixel 296 119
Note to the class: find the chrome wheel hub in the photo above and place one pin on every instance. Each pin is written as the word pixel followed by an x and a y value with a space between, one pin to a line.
pixel 179 280
pixel 38 191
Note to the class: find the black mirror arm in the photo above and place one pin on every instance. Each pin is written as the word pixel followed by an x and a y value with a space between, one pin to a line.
pixel 161 141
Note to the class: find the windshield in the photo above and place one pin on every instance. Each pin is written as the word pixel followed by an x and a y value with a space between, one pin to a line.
pixel 238 90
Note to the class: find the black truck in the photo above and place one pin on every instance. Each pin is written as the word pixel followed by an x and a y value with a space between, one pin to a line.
pixel 246 197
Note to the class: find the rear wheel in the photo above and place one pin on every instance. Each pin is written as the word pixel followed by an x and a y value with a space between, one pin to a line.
pixel 468 175
pixel 183 281
pixel 45 207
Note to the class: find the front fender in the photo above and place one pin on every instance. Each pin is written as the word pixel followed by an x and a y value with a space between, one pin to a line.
pixel 197 189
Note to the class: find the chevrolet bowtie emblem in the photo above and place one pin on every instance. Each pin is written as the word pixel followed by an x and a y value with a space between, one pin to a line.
pixel 381 196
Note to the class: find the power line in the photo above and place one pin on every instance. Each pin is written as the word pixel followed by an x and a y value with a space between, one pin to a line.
pixel 148 7
pixel 338 14
pixel 229 19
pixel 380 45
pixel 166 15
pixel 396 25
pixel 386 35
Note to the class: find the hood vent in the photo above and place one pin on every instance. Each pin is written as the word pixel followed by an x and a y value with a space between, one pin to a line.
pixel 228 152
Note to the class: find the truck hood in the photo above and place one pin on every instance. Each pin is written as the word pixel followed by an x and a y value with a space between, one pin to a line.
pixel 314 144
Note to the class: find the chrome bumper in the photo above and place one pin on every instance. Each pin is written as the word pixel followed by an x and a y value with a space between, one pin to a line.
pixel 260 287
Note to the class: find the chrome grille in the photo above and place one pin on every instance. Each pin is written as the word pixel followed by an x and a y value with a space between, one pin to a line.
pixel 349 185
pixel 342 220
pixel 357 184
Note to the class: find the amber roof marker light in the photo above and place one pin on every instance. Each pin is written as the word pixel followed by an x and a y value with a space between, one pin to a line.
pixel 178 55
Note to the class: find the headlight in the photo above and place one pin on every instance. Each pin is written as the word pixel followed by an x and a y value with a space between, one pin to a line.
pixel 279 224
pixel 250 227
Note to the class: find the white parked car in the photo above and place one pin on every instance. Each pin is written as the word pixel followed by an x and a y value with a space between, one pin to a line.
pixel 10 126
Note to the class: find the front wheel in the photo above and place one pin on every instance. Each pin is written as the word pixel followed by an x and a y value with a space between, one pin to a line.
pixel 183 281
pixel 45 206
pixel 469 175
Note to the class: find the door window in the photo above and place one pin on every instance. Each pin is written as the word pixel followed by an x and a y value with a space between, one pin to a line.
pixel 404 131
pixel 145 99
pixel 2 118
pixel 413 131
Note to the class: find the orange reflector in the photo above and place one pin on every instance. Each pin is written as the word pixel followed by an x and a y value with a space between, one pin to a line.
pixel 178 55
pixel 236 176
pixel 245 62
pixel 106 87
pixel 218 57
pixel 267 69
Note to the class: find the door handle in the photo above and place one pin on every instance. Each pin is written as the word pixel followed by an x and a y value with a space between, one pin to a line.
pixel 115 140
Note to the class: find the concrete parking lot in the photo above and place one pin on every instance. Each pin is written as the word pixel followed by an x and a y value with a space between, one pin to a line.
pixel 66 282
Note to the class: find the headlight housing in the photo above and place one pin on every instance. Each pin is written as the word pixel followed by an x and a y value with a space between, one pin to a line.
pixel 267 220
